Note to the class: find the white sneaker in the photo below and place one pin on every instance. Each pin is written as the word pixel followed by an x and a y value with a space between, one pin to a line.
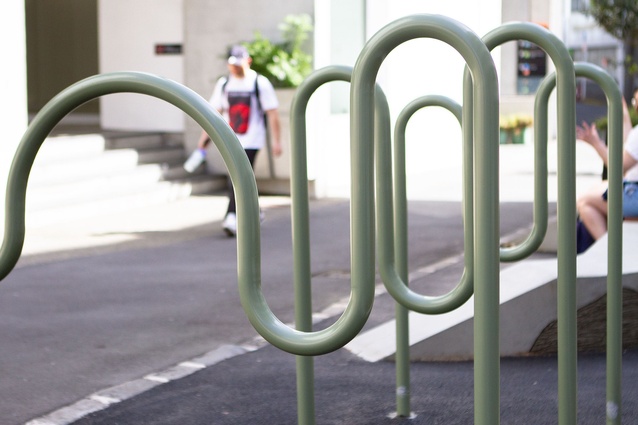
pixel 230 224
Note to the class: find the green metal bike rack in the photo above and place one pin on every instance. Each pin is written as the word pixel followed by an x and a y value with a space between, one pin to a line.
pixel 301 220
pixel 393 246
pixel 559 54
pixel 566 207
pixel 614 220
pixel 485 138
pixel 370 136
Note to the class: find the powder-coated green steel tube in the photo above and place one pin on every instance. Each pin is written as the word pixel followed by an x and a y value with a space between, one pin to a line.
pixel 393 244
pixel 303 341
pixel 301 228
pixel 486 174
pixel 614 220
pixel 400 239
pixel 615 244
pixel 132 82
pixel 566 84
pixel 614 231
pixel 301 219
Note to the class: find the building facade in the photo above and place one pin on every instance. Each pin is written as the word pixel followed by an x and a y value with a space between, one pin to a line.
pixel 186 40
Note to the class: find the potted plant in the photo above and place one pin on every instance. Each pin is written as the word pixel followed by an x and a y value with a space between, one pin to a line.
pixel 513 127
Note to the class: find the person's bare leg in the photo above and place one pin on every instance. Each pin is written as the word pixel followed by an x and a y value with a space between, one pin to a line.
pixel 592 209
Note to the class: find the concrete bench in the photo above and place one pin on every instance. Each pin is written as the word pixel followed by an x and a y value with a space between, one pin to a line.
pixel 528 306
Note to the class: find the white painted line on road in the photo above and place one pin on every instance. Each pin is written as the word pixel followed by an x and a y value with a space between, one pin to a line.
pixel 104 400
pixel 156 378
pixel 40 422
pixel 101 399
pixel 69 414
pixel 192 365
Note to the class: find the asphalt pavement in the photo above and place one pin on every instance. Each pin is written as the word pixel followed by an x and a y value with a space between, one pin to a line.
pixel 259 388
pixel 135 319
pixel 149 330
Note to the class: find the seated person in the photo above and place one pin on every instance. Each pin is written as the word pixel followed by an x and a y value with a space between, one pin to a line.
pixel 592 207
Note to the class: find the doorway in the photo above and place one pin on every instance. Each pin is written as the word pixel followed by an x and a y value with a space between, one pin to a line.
pixel 62 48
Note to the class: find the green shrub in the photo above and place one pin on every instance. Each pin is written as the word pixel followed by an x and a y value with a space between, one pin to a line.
pixel 285 64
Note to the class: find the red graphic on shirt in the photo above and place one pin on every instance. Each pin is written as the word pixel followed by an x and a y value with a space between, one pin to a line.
pixel 239 111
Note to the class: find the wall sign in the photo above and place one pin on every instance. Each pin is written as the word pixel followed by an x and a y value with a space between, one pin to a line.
pixel 168 49
pixel 532 67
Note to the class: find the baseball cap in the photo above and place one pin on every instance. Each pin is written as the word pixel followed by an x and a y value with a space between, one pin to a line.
pixel 236 54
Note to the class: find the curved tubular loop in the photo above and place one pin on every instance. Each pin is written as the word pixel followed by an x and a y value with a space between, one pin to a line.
pixel 355 319
pixel 132 82
pixel 393 246
pixel 299 189
pixel 362 296
pixel 556 50
pixel 566 99
pixel 614 200
pixel 248 241
pixel 486 271
pixel 482 68
pixel 303 341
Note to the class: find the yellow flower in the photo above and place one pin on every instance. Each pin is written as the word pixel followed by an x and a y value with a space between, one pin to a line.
pixel 515 121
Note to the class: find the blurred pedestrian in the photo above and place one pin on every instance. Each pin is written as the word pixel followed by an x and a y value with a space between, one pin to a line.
pixel 248 102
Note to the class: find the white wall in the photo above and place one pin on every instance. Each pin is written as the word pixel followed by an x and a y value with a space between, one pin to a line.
pixel 13 84
pixel 128 33
pixel 414 69
pixel 582 33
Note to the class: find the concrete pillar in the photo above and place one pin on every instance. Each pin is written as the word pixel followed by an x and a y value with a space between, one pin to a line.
pixel 13 80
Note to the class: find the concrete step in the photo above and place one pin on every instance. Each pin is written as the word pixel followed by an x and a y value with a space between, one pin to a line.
pixel 123 140
pixel 159 194
pixel 139 178
pixel 85 175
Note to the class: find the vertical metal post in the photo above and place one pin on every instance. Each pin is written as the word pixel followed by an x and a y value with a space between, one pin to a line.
pixel 301 219
pixel 383 156
pixel 567 336
pixel 486 176
pixel 614 259
pixel 402 355
pixel 614 251
pixel 301 252
pixel 566 210
pixel 614 225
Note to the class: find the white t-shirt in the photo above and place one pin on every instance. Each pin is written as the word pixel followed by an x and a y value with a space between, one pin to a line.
pixel 255 135
pixel 631 146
